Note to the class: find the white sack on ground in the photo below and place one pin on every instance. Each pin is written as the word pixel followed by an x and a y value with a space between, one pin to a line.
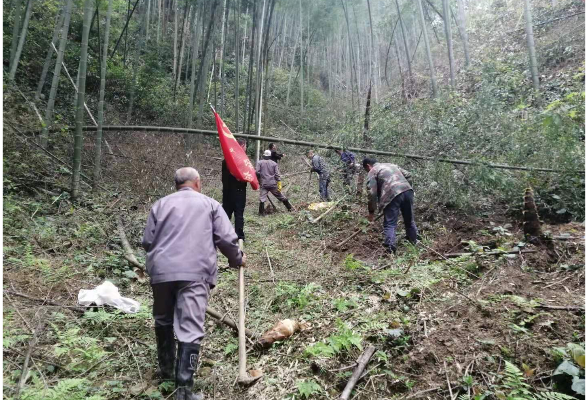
pixel 108 294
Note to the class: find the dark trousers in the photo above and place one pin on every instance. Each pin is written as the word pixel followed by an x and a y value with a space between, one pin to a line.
pixel 324 180
pixel 183 305
pixel 400 204
pixel 234 202
pixel 348 174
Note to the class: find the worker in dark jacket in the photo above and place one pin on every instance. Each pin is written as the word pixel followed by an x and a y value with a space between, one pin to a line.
pixel 275 155
pixel 182 234
pixel 270 181
pixel 319 166
pixel 234 195
pixel 389 190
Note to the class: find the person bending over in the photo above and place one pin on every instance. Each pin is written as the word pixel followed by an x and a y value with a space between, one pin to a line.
pixel 389 190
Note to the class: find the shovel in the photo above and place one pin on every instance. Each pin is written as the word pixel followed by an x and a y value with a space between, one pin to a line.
pixel 244 379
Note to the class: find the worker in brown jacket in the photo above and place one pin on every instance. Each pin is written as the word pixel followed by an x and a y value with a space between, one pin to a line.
pixel 182 234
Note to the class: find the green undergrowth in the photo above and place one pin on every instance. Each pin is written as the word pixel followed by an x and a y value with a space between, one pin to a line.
pixel 54 247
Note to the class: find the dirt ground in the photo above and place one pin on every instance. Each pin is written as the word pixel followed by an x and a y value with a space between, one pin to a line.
pixel 434 321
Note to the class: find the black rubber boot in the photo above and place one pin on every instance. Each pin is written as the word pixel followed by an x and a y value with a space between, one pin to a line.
pixel 391 250
pixel 288 205
pixel 166 351
pixel 261 208
pixel 187 394
pixel 186 365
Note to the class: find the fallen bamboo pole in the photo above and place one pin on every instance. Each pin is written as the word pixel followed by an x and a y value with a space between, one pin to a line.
pixel 213 313
pixel 161 129
pixel 491 253
pixel 24 375
pixel 129 255
pixel 362 361
pixel 287 188
pixel 317 219
pixel 269 261
pixel 447 377
pixel 230 323
pixel 565 308
pixel 567 238
pixel 294 174
pixel 49 302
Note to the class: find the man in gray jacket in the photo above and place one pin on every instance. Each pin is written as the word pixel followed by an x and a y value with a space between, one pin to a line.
pixel 270 181
pixel 320 167
pixel 182 233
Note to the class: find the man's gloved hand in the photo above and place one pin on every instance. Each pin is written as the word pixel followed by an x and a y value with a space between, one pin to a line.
pixel 243 259
pixel 280 186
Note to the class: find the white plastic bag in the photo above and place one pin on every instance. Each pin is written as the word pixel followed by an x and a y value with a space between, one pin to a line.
pixel 107 293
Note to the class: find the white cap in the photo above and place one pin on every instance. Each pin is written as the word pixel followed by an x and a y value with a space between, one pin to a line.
pixel 267 153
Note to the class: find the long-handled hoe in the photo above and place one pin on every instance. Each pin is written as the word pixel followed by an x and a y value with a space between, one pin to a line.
pixel 244 378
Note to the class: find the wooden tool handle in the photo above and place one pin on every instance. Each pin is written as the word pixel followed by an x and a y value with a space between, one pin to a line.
pixel 358 232
pixel 242 348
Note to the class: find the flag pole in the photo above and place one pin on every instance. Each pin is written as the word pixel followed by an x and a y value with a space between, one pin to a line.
pixel 258 143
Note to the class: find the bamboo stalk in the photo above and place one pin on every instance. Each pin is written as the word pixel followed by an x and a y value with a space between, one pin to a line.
pixel 362 361
pixel 47 64
pixel 75 88
pixel 160 129
pixel 44 301
pixel 25 367
pixel 317 219
pixel 129 254
pixel 78 134
pixel 270 265
pixel 491 253
pixel 230 323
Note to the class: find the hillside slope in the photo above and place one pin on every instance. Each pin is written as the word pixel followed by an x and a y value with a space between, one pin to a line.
pixel 432 320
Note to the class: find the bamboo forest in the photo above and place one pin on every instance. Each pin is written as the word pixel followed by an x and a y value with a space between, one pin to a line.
pixel 293 199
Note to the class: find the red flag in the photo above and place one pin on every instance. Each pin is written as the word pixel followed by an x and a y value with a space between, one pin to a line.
pixel 237 162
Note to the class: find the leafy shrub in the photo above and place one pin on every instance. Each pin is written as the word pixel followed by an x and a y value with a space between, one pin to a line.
pixel 308 388
pixel 343 341
pixel 342 305
pixel 71 389
pixel 514 387
pixel 352 264
pixel 295 296
pixel 77 350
